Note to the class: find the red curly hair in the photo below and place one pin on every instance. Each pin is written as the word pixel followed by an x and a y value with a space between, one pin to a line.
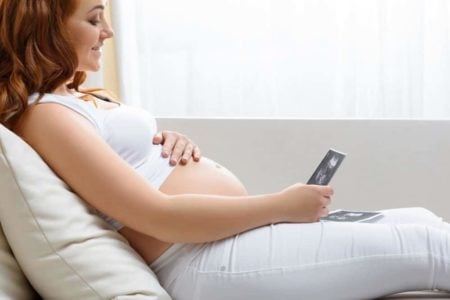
pixel 36 55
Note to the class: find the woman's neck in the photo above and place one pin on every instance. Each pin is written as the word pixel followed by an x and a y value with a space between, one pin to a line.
pixel 65 91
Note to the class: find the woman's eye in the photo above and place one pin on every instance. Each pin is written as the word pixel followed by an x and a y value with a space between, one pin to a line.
pixel 94 22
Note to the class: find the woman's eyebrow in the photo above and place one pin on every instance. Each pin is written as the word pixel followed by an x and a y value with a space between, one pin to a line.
pixel 97 7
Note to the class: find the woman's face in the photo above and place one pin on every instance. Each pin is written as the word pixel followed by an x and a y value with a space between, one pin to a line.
pixel 88 29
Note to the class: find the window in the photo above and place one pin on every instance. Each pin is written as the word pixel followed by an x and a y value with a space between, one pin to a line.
pixel 285 58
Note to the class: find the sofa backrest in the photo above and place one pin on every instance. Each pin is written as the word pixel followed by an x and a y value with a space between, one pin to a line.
pixel 389 163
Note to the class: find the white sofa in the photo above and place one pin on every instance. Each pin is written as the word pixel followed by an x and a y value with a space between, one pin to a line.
pixel 53 243
pixel 389 163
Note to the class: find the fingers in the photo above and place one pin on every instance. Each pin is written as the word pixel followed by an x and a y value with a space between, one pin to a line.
pixel 196 154
pixel 177 146
pixel 158 138
pixel 323 213
pixel 326 190
pixel 324 203
pixel 326 193
pixel 168 139
pixel 178 150
pixel 187 154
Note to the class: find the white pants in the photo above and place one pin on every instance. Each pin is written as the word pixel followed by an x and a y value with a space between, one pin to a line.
pixel 408 249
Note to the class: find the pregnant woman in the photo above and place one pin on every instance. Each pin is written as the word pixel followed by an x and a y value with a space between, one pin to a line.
pixel 194 224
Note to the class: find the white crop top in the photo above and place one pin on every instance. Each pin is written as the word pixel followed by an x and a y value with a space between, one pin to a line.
pixel 128 130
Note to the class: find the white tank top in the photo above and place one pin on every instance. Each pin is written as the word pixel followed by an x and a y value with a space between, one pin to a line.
pixel 128 130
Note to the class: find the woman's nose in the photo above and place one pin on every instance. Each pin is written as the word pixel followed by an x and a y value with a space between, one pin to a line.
pixel 107 31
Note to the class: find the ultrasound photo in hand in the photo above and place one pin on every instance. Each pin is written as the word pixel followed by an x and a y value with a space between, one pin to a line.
pixel 327 167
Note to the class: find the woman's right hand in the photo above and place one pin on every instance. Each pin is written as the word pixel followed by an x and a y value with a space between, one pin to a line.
pixel 301 203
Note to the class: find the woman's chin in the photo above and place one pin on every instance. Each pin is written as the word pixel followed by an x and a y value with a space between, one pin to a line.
pixel 94 69
pixel 91 68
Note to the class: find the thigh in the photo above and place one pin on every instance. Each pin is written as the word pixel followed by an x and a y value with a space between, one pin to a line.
pixel 318 261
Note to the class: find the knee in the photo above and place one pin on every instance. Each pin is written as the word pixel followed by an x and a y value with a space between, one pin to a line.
pixel 426 215
pixel 412 215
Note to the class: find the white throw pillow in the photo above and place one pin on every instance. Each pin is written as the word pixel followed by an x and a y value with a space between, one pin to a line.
pixel 64 249
pixel 13 284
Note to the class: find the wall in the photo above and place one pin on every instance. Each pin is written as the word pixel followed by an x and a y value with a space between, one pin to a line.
pixel 390 163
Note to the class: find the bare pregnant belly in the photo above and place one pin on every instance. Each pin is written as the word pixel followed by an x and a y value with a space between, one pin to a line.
pixel 203 177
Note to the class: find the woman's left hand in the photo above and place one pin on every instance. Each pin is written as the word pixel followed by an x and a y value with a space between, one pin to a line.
pixel 178 146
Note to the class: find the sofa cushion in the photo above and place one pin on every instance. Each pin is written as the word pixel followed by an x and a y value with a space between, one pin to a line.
pixel 64 249
pixel 13 284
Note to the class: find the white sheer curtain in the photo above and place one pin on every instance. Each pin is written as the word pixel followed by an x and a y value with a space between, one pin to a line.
pixel 285 58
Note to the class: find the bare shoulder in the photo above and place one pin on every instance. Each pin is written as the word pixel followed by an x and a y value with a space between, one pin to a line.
pixel 52 130
pixel 46 119
pixel 71 146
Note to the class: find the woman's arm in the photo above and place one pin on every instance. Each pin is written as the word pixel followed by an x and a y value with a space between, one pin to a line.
pixel 72 148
